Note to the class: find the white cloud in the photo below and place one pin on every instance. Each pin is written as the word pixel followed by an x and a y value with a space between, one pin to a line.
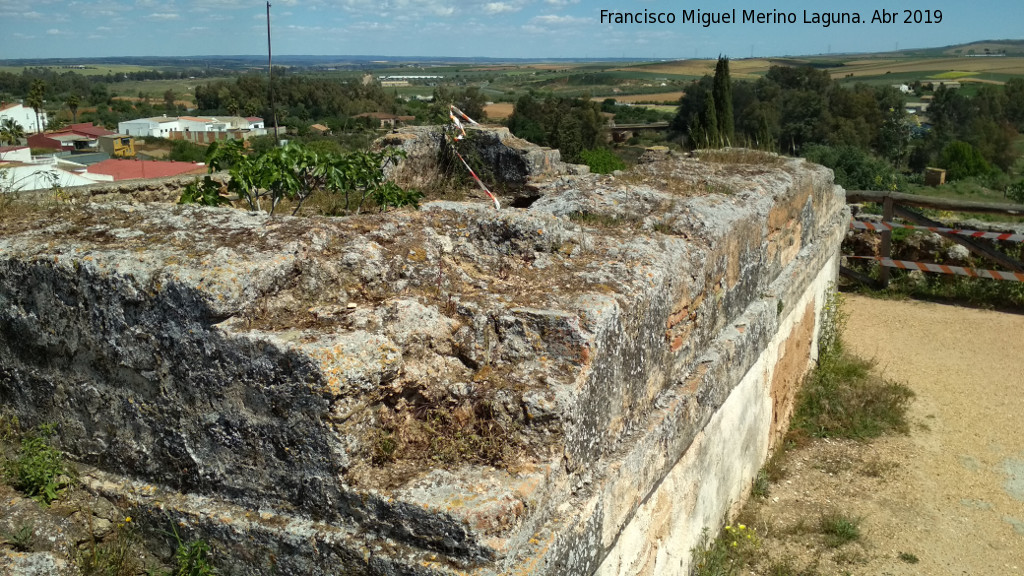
pixel 499 7
pixel 557 19
pixel 562 2
pixel 54 32
pixel 163 16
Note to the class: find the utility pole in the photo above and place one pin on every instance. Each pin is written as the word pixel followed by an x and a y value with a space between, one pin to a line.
pixel 270 79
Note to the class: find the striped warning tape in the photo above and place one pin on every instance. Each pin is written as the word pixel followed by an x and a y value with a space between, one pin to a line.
pixel 454 113
pixel 944 269
pixel 880 226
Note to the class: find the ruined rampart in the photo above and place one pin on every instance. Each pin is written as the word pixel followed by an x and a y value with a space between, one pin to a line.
pixel 578 387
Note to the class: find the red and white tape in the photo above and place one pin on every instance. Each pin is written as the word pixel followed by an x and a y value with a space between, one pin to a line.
pixel 454 113
pixel 944 269
pixel 880 226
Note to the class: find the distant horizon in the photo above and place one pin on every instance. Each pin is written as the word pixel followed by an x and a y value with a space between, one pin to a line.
pixel 646 30
pixel 386 58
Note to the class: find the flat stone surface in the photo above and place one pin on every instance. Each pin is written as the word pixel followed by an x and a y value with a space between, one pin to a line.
pixel 456 382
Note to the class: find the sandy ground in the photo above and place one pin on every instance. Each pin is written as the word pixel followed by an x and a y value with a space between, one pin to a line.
pixel 947 499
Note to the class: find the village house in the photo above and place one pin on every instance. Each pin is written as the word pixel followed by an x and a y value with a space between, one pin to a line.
pixel 158 126
pixel 25 116
pixel 386 120
pixel 75 138
pixel 197 129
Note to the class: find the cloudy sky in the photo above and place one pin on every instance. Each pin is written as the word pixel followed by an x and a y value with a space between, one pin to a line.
pixel 494 28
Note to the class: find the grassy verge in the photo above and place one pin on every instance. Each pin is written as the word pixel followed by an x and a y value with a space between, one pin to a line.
pixel 844 398
pixel 841 398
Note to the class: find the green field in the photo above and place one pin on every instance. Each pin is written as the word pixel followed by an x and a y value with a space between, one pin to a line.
pixel 86 70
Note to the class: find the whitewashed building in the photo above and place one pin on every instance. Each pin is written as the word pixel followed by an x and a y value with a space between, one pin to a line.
pixel 24 116
pixel 158 126
pixel 25 177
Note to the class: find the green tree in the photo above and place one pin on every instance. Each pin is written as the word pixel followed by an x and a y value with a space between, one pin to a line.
pixel 1014 90
pixel 35 101
pixel 722 92
pixel 894 136
pixel 961 160
pixel 705 134
pixel 72 104
pixel 169 104
pixel 11 132
pixel 855 168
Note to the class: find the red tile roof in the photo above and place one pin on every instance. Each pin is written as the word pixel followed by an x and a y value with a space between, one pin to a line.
pixel 11 148
pixel 87 129
pixel 130 169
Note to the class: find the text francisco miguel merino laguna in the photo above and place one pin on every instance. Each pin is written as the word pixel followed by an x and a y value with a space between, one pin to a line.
pixel 706 19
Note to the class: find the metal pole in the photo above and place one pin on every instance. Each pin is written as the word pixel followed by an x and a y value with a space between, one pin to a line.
pixel 270 79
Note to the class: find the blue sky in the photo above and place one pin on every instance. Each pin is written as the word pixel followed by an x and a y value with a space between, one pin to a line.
pixel 494 28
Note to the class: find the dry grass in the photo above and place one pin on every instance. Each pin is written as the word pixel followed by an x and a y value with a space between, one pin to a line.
pixel 937 66
pixel 738 69
pixel 499 110
pixel 660 97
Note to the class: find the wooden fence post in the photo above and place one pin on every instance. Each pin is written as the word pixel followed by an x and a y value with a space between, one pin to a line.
pixel 886 249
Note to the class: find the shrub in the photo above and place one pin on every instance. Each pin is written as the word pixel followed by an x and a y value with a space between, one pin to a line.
pixel 205 192
pixel 727 554
pixel 961 160
pixel 39 471
pixel 839 529
pixel 841 397
pixel 856 169
pixel 602 161
pixel 1015 192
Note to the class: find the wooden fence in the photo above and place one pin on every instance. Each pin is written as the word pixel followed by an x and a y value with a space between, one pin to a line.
pixel 898 205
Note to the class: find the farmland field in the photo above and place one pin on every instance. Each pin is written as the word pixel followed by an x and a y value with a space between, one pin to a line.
pixel 499 110
pixel 87 69
pixel 660 97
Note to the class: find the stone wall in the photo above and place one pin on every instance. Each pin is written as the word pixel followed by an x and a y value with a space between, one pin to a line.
pixel 575 388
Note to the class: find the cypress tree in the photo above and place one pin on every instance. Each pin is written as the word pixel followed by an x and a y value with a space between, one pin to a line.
pixel 709 123
pixel 722 89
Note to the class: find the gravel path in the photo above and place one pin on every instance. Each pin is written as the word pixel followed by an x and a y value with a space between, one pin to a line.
pixel 947 499
pixel 960 503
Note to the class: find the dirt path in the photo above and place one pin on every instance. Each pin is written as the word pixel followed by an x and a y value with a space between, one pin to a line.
pixel 948 499
pixel 962 502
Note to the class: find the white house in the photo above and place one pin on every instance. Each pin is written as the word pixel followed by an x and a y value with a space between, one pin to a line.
pixel 196 124
pixel 26 177
pixel 15 154
pixel 159 126
pixel 23 115
pixel 255 122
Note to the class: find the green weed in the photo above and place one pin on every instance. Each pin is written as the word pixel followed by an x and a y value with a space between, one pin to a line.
pixel 762 485
pixel 39 470
pixel 842 398
pixel 909 558
pixel 118 556
pixel 839 529
pixel 21 539
pixel 193 559
pixel 10 428
pixel 727 554
pixel 601 220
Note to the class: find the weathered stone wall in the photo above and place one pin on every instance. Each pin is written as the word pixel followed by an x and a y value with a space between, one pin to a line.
pixel 285 387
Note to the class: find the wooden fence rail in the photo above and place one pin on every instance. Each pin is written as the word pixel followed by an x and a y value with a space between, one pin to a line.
pixel 896 204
